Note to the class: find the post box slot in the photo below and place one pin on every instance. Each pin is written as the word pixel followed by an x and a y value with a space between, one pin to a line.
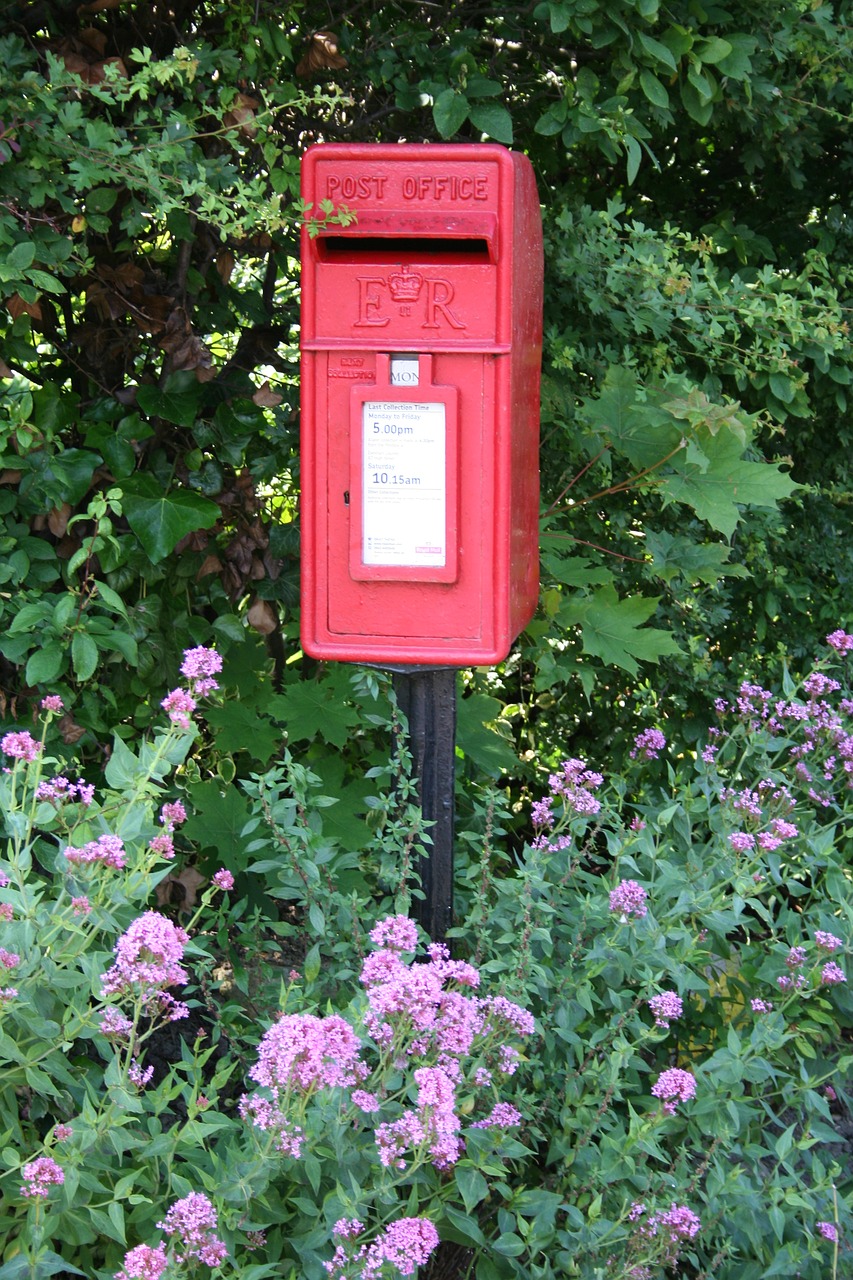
pixel 473 249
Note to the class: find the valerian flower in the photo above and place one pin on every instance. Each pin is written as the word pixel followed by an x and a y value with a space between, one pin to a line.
pixel 39 1175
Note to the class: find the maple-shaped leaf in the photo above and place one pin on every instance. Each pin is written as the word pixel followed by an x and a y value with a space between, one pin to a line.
pixel 718 490
pixel 613 630
pixel 309 711
pixel 219 815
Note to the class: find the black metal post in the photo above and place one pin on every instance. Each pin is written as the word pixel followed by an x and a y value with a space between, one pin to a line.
pixel 427 698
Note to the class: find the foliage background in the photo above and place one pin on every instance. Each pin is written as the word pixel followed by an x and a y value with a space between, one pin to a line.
pixel 693 163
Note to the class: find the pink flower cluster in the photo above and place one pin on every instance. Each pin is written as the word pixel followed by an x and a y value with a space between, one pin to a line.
pixel 148 956
pixel 143 1263
pixel 299 1055
pixel 21 745
pixel 107 851
pixel 628 899
pixel 433 1125
pixel 199 667
pixel 674 1086
pixel 193 1221
pixel 575 786
pixel 403 1246
pixel 60 790
pixel 40 1175
pixel 416 1015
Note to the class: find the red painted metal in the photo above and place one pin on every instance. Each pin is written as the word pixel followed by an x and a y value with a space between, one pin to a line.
pixel 421 347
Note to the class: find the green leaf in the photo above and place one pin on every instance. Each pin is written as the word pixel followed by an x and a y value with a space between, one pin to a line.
pixel 480 87
pixel 22 256
pixel 612 629
pixel 659 52
pixel 220 814
pixel 653 89
pixel 45 664
pixel 493 120
pixel 241 728
pixel 180 407
pixel 477 740
pixel 310 711
pixel 101 199
pixel 84 655
pixel 122 767
pixel 728 483
pixel 449 111
pixel 782 387
pixel 698 107
pixel 712 49
pixel 160 520
pixel 472 1185
pixel 635 155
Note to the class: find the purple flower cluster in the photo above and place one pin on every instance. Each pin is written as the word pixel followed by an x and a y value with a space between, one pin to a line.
pixel 299 1055
pixel 649 744
pixel 628 899
pixel 670 1227
pixel 417 1014
pixel 829 1231
pixel 666 1007
pixel 840 641
pixel 403 1246
pixel 674 1086
pixel 432 1126
pixel 199 668
pixel 574 786
pixel 192 1221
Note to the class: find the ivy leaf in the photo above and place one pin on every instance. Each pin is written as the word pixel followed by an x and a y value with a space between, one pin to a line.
pixel 160 520
pixel 612 629
pixel 449 111
pixel 180 407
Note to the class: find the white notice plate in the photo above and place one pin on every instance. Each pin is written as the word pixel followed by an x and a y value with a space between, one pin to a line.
pixel 404 484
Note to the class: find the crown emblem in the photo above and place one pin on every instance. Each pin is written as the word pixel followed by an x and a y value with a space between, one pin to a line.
pixel 405 285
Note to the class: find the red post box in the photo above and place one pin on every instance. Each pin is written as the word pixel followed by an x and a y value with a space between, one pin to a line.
pixel 421 345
